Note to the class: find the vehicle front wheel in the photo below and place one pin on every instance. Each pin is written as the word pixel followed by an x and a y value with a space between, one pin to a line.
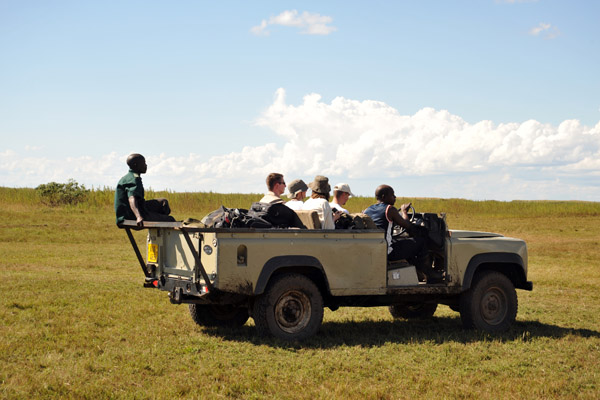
pixel 491 303
pixel 291 308
pixel 218 315
pixel 413 310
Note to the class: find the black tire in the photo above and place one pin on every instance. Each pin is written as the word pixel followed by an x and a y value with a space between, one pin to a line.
pixel 490 304
pixel 413 310
pixel 218 315
pixel 291 308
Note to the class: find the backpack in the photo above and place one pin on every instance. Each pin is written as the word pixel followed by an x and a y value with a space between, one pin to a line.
pixel 344 222
pixel 245 220
pixel 217 218
pixel 278 214
pixel 224 217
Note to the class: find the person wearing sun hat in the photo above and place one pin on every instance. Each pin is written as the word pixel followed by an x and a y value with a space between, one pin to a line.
pixel 297 194
pixel 341 194
pixel 319 201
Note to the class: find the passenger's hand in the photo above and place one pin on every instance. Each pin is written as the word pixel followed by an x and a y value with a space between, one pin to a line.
pixel 337 215
pixel 139 221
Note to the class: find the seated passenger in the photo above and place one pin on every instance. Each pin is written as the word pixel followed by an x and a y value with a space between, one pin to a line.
pixel 129 196
pixel 276 186
pixel 385 216
pixel 297 194
pixel 319 201
pixel 341 194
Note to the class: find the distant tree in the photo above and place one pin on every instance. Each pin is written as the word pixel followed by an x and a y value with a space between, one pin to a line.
pixel 56 194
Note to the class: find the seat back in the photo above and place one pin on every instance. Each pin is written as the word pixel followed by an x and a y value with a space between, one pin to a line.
pixel 362 221
pixel 310 218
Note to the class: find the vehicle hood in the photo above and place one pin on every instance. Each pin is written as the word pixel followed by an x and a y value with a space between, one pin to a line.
pixel 472 234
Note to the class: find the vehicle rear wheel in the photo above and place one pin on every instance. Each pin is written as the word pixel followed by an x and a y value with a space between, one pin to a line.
pixel 491 303
pixel 218 315
pixel 413 310
pixel 291 308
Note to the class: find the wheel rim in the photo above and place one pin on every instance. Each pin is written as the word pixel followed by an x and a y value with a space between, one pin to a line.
pixel 292 311
pixel 494 306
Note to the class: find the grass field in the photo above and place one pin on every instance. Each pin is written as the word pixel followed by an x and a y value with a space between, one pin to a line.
pixel 75 321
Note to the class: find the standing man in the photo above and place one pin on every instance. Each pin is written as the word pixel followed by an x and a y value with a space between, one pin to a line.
pixel 276 186
pixel 341 194
pixel 129 196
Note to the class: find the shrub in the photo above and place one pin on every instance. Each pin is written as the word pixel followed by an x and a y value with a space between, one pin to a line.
pixel 56 194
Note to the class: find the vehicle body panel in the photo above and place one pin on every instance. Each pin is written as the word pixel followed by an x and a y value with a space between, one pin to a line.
pixel 461 249
pixel 352 262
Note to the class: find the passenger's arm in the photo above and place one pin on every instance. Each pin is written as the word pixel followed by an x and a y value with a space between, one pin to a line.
pixel 336 214
pixel 404 210
pixel 328 217
pixel 136 211
pixel 394 215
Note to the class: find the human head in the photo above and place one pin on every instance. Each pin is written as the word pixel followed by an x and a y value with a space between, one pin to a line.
pixel 275 183
pixel 385 194
pixel 320 187
pixel 137 163
pixel 297 189
pixel 341 193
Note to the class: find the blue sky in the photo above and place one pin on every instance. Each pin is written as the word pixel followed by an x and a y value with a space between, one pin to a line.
pixel 472 99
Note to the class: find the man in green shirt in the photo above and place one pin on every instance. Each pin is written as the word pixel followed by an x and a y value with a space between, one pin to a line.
pixel 129 196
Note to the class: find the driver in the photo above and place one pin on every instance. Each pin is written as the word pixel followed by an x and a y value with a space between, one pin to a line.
pixel 385 216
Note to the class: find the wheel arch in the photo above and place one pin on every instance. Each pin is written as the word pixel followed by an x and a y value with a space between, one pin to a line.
pixel 308 266
pixel 509 264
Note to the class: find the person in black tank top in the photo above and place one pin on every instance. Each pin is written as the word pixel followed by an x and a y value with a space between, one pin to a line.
pixel 385 216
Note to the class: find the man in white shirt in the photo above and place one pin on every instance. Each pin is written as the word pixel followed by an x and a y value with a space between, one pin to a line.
pixel 341 194
pixel 276 186
pixel 319 201
pixel 297 194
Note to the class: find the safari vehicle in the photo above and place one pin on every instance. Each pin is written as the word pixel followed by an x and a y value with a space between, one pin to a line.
pixel 283 278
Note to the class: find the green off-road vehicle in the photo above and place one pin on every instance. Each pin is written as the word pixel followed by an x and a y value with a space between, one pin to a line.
pixel 283 278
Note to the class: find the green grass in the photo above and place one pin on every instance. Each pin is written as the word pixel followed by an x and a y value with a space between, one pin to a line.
pixel 75 321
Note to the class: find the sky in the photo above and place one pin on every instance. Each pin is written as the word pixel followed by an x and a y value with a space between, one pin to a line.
pixel 483 100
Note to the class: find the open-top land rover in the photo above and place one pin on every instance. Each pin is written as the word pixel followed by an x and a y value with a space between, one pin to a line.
pixel 283 278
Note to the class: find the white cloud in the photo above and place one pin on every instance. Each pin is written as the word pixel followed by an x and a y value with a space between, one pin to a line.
pixel 381 140
pixel 309 23
pixel 548 31
pixel 432 153
pixel 32 148
pixel 260 29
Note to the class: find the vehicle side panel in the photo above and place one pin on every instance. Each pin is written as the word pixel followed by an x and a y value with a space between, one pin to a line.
pixel 353 263
pixel 462 250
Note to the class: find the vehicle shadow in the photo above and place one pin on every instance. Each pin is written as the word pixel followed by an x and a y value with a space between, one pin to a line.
pixel 378 333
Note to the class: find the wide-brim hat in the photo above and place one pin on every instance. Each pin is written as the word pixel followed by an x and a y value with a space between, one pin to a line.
pixel 296 186
pixel 343 187
pixel 320 185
